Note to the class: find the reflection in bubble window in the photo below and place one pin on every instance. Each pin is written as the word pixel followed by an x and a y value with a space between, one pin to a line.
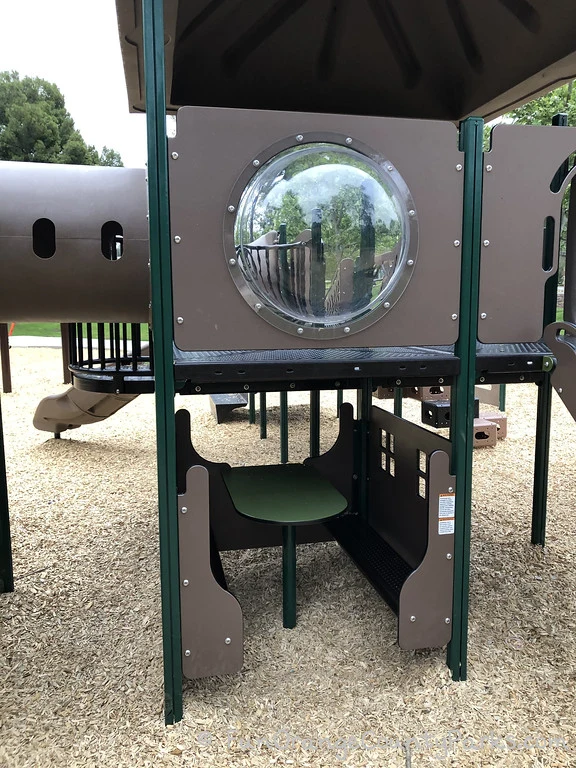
pixel 321 235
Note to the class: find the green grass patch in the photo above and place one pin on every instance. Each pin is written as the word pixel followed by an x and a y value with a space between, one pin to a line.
pixel 53 330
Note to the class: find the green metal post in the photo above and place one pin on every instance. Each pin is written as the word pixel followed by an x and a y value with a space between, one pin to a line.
pixel 283 427
pixel 339 400
pixel 398 402
pixel 263 417
pixel 502 397
pixel 162 315
pixel 315 423
pixel 364 405
pixel 289 576
pixel 6 568
pixel 462 406
pixel 252 408
pixel 544 406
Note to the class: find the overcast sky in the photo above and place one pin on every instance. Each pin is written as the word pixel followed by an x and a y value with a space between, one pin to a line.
pixel 74 43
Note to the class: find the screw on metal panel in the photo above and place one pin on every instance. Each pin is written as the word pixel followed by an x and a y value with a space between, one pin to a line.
pixel 456 243
pixel 231 208
pixel 448 556
pixel 522 377
pixel 483 316
pixel 246 386
pixel 300 330
pixel 454 317
pixel 292 385
pixel 410 262
pixel 482 379
pixel 117 391
pixel 357 368
pixel 179 320
pixel 529 362
pixel 398 382
pixel 559 390
pixel 185 582
pixel 232 261
pixel 447 621
pixel 174 155
pixel 389 167
pixel 459 167
pixel 354 477
pixel 440 380
pixel 346 329
pixel 228 641
pixel 486 243
pixel 488 168
pixel 348 140
pixel 177 239
pixel 184 510
pixel 412 618
pixel 386 305
pixel 411 213
pixel 187 653
pixel 197 389
pixel 299 137
pixel 450 490
pixel 255 163
pixel 257 307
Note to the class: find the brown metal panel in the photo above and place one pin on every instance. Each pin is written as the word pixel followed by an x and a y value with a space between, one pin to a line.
pixel 212 634
pixel 337 464
pixel 516 201
pixel 213 148
pixel 77 283
pixel 425 613
pixel 561 340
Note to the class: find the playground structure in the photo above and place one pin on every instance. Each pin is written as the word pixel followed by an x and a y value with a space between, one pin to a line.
pixel 447 278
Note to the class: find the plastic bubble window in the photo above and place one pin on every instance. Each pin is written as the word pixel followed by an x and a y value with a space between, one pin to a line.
pixel 325 240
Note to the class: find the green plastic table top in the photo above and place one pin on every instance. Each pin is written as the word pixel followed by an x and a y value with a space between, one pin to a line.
pixel 286 494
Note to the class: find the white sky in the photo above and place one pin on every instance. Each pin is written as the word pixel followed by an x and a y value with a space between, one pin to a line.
pixel 74 43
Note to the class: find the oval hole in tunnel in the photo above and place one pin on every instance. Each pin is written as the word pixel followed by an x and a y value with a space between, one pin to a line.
pixel 112 240
pixel 44 238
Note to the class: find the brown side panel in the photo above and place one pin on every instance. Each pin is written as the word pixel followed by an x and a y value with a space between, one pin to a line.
pixel 337 464
pixel 425 612
pixel 212 634
pixel 516 201
pixel 73 281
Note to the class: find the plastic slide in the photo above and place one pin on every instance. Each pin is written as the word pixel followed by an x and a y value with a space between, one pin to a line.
pixel 75 408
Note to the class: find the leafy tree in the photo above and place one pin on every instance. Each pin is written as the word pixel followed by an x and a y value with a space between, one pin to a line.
pixel 541 111
pixel 35 125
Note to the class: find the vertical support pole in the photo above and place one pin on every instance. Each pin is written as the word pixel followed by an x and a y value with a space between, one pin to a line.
pixel 283 427
pixel 252 408
pixel 289 576
pixel 544 405
pixel 462 406
pixel 263 417
pixel 315 423
pixel 339 400
pixel 6 568
pixel 162 315
pixel 5 358
pixel 65 336
pixel 398 402
pixel 502 397
pixel 364 405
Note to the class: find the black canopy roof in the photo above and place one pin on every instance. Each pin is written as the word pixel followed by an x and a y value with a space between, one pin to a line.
pixel 443 59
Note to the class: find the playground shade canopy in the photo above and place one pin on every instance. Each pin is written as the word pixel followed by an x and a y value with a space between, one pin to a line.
pixel 444 60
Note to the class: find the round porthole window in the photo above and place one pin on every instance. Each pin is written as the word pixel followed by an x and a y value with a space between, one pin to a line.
pixel 324 240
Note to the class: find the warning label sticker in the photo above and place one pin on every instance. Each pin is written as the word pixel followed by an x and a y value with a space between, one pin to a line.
pixel 446 510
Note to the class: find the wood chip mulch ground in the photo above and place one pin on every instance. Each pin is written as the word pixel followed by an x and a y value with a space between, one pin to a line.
pixel 80 638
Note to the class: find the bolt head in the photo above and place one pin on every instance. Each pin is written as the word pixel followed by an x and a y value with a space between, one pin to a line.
pixel 389 167
pixel 449 556
pixel 258 307
pixel 292 385
pixel 447 621
pixel 255 163
pixel 184 510
pixel 412 619
pixel 488 168
pixel 348 140
pixel 459 167
pixel 299 137
pixel 398 382
pixel 346 329
pixel 177 239
pixel 456 243
pixel 454 316
pixel 300 330
pixel 486 243
pixel 231 208
pixel 482 379
pixel 187 653
pixel 228 641
pixel 483 316
pixel 246 387
pixel 411 213
pixel 450 490
pixel 174 155
pixel 232 262
pixel 440 380
pixel 560 390
pixel 179 320
pixel 386 305
pixel 185 582
pixel 197 389
pixel 410 262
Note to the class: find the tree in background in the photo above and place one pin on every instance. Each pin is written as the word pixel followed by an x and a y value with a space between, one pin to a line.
pixel 36 127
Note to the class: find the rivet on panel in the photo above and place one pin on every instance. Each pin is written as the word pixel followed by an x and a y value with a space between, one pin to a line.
pixel 300 330
pixel 185 583
pixel 449 556
pixel 232 261
pixel 454 316
pixel 228 641
pixel 174 155
pixel 410 262
pixel 255 163
pixel 231 208
pixel 184 510
pixel 187 653
pixel 486 243
pixel 292 385
pixel 559 390
pixel 411 213
pixel 348 140
pixel 346 329
pixel 389 167
pixel 299 137
pixel 459 167
pixel 398 382
pixel 246 387
pixel 412 619
pixel 483 315
pixel 179 320
pixel 488 168
pixel 386 305
pixel 440 380
pixel 456 243
pixel 257 307
pixel 177 239
pixel 450 490
pixel 197 388
pixel 447 621
pixel 482 379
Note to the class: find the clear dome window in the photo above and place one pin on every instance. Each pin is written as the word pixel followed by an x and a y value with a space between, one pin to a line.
pixel 321 239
